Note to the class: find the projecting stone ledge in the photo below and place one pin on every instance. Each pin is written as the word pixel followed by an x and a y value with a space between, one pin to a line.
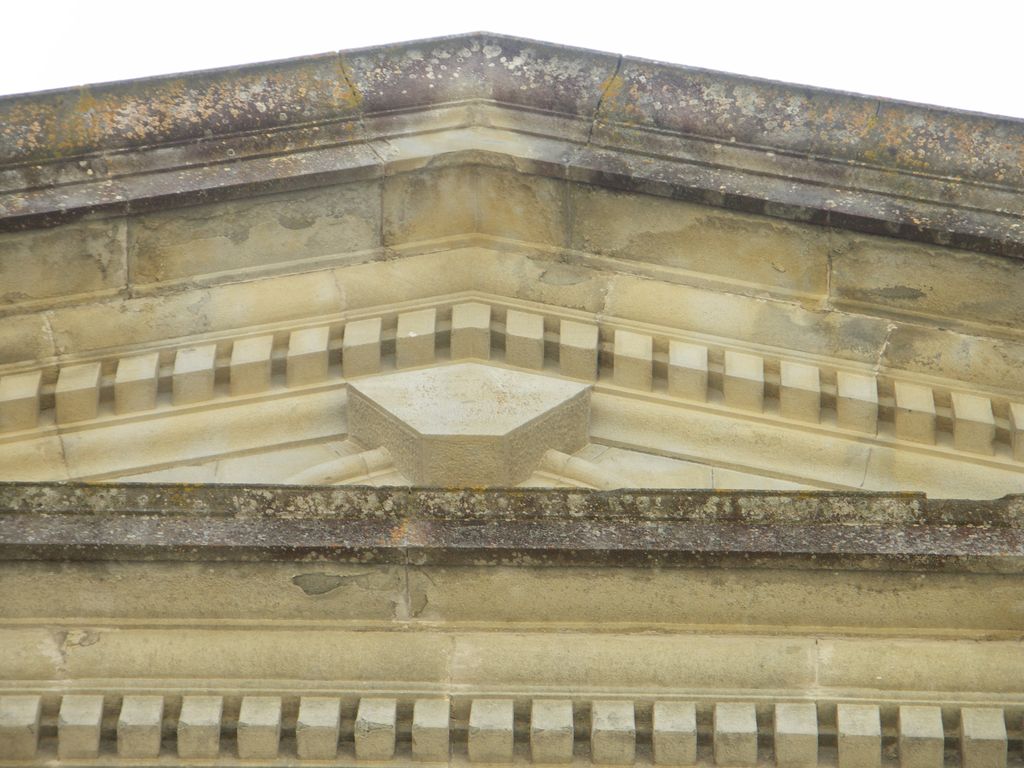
pixel 468 424
pixel 513 526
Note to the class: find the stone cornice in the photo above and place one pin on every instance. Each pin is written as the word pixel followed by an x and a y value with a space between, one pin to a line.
pixel 830 158
pixel 517 527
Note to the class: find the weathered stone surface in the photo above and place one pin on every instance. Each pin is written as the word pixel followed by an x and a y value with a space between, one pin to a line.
pixel 612 732
pixel 139 726
pixel 78 726
pixel 578 347
pixel 250 365
pixel 471 331
pixel 941 282
pixel 431 737
pixel 307 359
pixel 524 339
pixel 375 729
pixel 982 737
pixel 429 204
pixel 735 734
pixel 19 400
pixel 859 736
pixel 135 383
pixel 490 731
pixel 796 735
pixel 19 726
pixel 688 370
pixel 551 731
pixel 268 232
pixel 199 726
pixel 674 733
pixel 72 260
pixel 921 737
pixel 317 728
pixel 194 374
pixel 259 727
pixel 700 240
pixel 634 360
pixel 416 338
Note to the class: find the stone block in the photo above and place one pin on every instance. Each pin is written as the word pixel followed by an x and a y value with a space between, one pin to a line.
pixel 86 256
pixel 858 736
pixel 317 728
pixel 135 383
pixel 743 381
pixel 578 347
pixel 551 731
pixel 899 276
pixel 360 348
pixel 429 204
pixel 282 232
pixel 634 360
pixel 612 733
pixel 375 729
pixel 688 370
pixel 430 730
pixel 520 206
pixel 982 738
pixel 139 726
pixel 259 727
pixel 524 339
pixel 19 726
pixel 307 358
pixel 491 729
pixel 199 727
pixel 471 331
pixel 796 735
pixel 699 240
pixel 915 412
pixel 19 400
pixel 1017 430
pixel 857 401
pixel 250 365
pixel 416 337
pixel 735 734
pixel 78 727
pixel 921 737
pixel 193 376
pixel 674 733
pixel 800 392
pixel 974 425
pixel 78 392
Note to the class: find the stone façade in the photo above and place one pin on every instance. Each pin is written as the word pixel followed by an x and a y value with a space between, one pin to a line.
pixel 759 286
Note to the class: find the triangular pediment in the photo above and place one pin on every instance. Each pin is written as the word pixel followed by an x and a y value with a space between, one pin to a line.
pixel 737 295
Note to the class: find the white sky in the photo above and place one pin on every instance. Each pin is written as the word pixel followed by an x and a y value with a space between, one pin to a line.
pixel 968 55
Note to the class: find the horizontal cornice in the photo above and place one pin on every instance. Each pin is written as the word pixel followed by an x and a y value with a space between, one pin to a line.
pixel 509 527
pixel 830 158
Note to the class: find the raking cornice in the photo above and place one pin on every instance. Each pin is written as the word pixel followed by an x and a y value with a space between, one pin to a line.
pixel 793 152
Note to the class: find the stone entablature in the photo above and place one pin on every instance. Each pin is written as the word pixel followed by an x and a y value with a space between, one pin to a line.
pixel 371 612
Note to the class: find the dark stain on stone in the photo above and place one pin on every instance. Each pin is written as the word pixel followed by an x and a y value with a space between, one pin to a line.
pixel 322 583
pixel 899 293
pixel 296 220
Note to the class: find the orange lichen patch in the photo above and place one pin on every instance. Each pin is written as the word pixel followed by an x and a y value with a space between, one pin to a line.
pixel 398 532
pixel 173 109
